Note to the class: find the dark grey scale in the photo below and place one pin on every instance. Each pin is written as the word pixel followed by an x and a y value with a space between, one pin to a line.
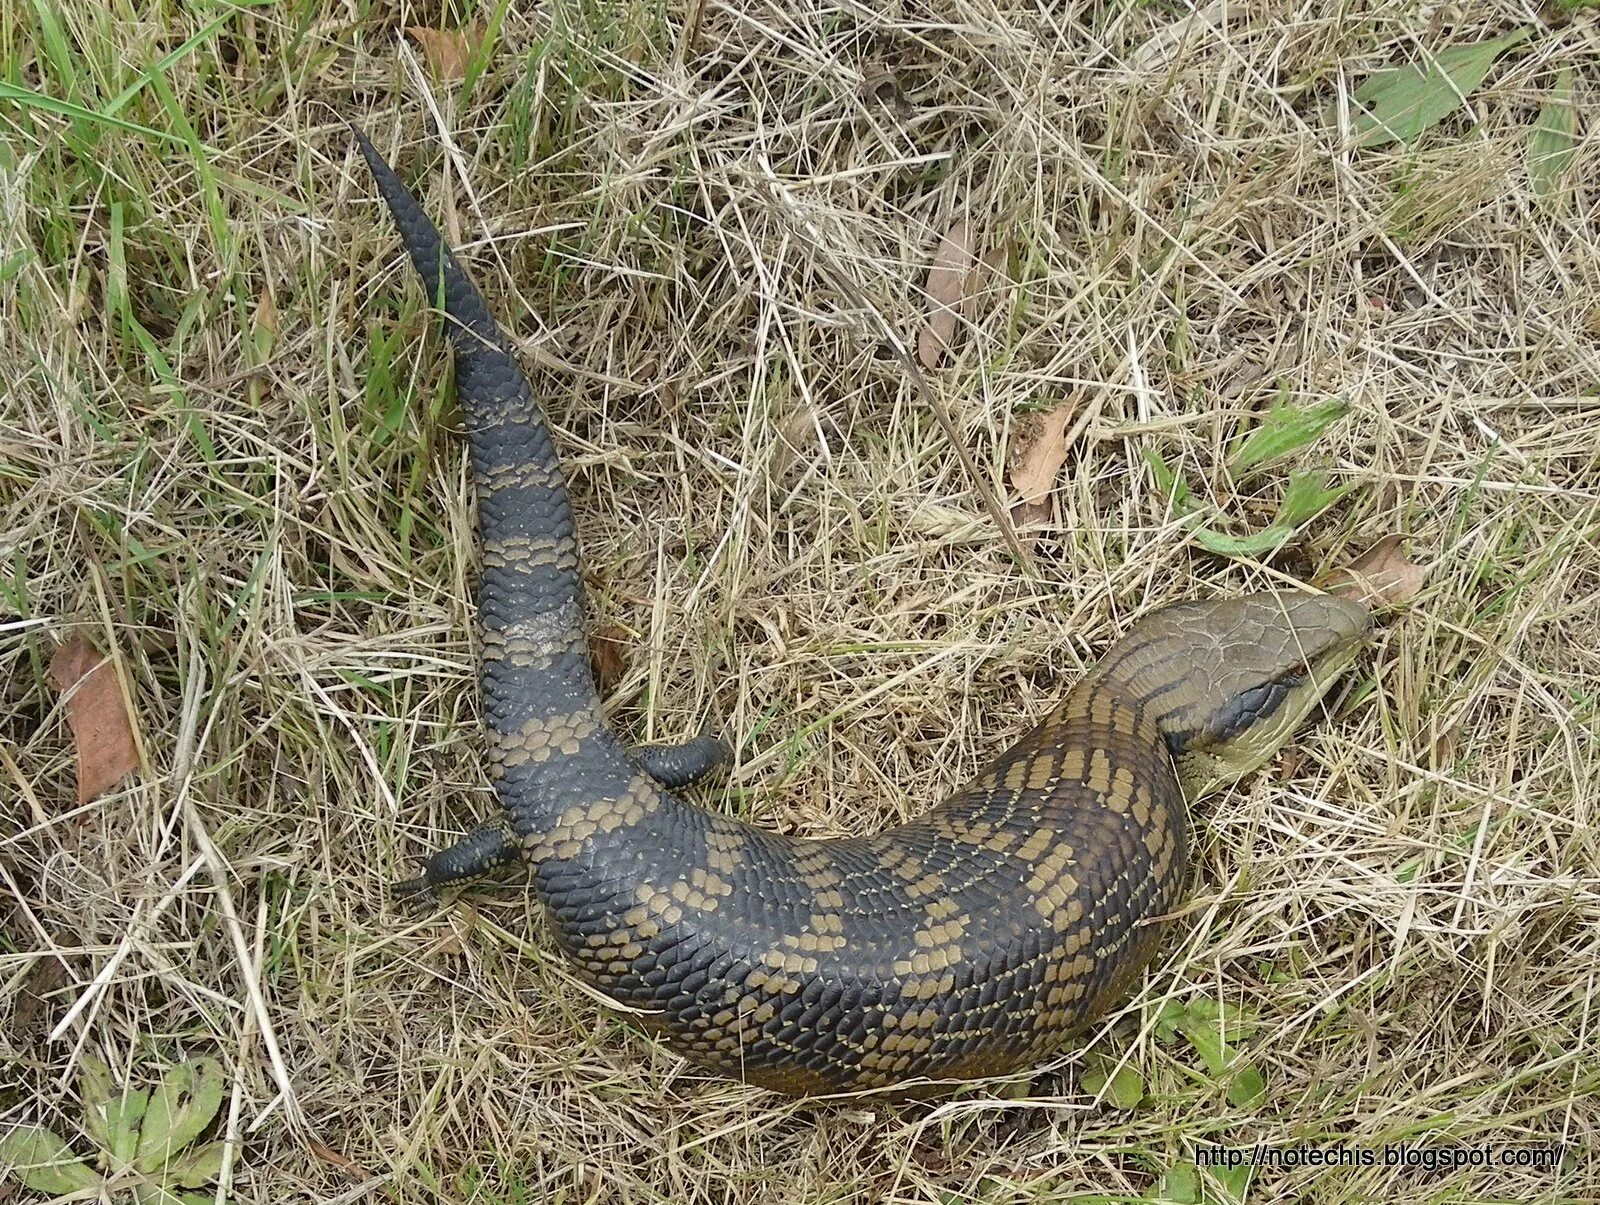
pixel 814 1056
pixel 578 919
pixel 811 1060
pixel 522 497
pixel 1007 1026
pixel 954 1009
pixel 989 992
pixel 704 965
pixel 699 959
pixel 796 1024
pixel 1253 705
pixel 1238 713
pixel 557 792
pixel 560 882
pixel 705 997
pixel 854 1026
pixel 672 952
pixel 657 980
pixel 826 996
pixel 688 987
pixel 689 1011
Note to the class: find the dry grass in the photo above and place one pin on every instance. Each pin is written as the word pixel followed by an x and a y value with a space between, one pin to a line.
pixel 264 512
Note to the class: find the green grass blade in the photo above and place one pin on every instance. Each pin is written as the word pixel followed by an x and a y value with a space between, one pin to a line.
pixel 57 47
pixel 1283 430
pixel 29 99
pixel 1172 485
pixel 1550 145
pixel 166 61
pixel 1307 496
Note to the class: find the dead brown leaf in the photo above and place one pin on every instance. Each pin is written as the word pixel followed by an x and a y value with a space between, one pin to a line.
pixel 1381 576
pixel 880 83
pixel 343 1162
pixel 446 51
pixel 1042 454
pixel 265 325
pixel 608 657
pixel 102 730
pixel 29 1014
pixel 946 285
pixel 1027 518
pixel 1289 764
pixel 796 437
pixel 1443 749
pixel 986 277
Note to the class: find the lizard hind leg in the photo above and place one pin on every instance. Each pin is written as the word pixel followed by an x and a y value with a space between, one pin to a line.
pixel 485 852
pixel 480 855
pixel 683 762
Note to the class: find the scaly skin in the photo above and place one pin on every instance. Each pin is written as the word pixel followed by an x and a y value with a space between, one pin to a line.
pixel 968 942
